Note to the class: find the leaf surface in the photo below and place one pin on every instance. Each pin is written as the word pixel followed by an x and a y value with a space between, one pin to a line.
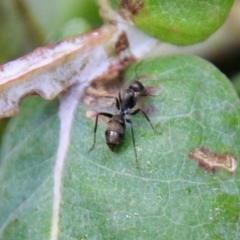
pixel 103 195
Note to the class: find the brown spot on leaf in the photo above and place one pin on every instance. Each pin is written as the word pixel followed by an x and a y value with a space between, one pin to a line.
pixel 212 161
pixel 132 6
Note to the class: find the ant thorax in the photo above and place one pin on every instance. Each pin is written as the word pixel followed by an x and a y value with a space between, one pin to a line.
pixel 128 100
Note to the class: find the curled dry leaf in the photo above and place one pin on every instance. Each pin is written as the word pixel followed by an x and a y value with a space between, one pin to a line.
pixel 49 70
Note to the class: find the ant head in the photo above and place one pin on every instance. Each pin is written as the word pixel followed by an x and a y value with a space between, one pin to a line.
pixel 136 86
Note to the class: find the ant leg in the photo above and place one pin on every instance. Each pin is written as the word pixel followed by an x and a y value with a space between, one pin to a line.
pixel 95 127
pixel 136 110
pixel 118 103
pixel 133 140
pixel 119 99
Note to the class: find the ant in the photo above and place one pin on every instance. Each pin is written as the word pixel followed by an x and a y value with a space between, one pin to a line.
pixel 116 126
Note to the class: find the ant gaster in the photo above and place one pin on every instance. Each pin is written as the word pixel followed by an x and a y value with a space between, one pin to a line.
pixel 126 105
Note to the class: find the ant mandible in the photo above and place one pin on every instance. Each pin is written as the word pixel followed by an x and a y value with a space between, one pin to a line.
pixel 116 126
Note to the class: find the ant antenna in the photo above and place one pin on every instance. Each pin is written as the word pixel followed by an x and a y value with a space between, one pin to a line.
pixel 136 69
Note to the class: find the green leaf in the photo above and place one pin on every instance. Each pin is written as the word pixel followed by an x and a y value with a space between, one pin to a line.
pixel 104 196
pixel 178 22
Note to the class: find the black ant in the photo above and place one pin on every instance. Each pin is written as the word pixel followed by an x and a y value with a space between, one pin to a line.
pixel 116 126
